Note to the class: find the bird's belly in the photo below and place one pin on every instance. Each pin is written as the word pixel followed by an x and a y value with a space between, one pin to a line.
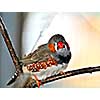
pixel 50 71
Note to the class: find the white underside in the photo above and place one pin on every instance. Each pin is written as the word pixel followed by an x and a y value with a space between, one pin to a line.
pixel 44 73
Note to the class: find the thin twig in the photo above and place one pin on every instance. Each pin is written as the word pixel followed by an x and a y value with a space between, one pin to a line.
pixel 46 25
pixel 36 41
pixel 65 75
pixel 9 45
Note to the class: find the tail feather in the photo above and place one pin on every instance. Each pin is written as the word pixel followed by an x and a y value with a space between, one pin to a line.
pixel 16 74
pixel 13 78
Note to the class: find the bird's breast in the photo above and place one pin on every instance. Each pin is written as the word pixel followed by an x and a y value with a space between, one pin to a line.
pixel 44 69
pixel 50 71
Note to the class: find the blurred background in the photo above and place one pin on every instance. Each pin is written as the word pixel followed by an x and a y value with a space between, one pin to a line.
pixel 81 31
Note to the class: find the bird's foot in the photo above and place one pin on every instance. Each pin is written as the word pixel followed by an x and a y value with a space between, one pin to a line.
pixel 38 82
pixel 62 73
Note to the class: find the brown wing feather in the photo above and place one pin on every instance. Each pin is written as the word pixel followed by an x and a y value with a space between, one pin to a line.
pixel 41 54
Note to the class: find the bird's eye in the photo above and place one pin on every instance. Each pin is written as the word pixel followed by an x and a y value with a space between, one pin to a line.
pixel 60 45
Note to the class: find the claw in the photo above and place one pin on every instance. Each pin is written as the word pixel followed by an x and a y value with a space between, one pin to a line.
pixel 62 73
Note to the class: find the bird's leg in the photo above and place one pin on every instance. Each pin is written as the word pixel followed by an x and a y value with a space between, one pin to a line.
pixel 38 82
pixel 62 73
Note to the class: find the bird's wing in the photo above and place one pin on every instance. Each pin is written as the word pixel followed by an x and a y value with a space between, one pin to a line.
pixel 41 54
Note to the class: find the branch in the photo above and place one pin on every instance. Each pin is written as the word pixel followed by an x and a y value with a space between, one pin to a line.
pixel 65 75
pixel 9 45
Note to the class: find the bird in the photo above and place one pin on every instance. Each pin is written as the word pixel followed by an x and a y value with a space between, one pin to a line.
pixel 48 59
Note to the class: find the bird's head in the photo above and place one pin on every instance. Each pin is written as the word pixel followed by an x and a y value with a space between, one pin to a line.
pixel 57 44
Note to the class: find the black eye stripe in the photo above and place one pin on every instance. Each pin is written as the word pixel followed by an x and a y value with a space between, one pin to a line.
pixel 63 46
pixel 57 48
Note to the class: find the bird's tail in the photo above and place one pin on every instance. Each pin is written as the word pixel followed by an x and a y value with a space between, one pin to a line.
pixel 13 78
pixel 16 74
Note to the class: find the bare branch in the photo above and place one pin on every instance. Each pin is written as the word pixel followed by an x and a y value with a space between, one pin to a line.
pixel 36 41
pixel 9 45
pixel 45 26
pixel 65 75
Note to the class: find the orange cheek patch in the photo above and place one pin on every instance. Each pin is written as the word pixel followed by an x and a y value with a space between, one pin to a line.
pixel 52 47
